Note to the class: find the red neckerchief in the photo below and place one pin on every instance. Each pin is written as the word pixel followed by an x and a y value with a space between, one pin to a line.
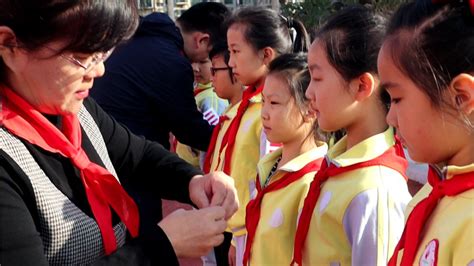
pixel 410 239
pixel 102 189
pixel 231 133
pixel 252 215
pixel 212 144
pixel 198 90
pixel 389 158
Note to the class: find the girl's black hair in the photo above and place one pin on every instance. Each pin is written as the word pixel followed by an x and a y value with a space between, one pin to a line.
pixel 293 68
pixel 266 28
pixel 433 43
pixel 352 39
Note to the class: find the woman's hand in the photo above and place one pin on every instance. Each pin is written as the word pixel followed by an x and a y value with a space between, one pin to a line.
pixel 214 189
pixel 194 233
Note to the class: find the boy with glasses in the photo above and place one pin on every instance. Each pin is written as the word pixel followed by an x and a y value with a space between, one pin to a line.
pixel 208 103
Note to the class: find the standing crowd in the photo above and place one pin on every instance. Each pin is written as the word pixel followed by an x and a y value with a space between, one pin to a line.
pixel 351 148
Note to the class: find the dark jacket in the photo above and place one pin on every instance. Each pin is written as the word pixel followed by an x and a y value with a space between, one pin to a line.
pixel 143 163
pixel 148 86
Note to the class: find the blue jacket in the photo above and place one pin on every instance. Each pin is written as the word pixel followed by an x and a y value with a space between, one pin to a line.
pixel 148 86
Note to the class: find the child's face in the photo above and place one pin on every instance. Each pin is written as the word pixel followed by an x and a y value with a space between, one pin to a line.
pixel 281 118
pixel 328 92
pixel 246 62
pixel 202 71
pixel 221 78
pixel 423 129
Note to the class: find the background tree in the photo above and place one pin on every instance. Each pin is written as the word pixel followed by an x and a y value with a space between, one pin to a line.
pixel 313 13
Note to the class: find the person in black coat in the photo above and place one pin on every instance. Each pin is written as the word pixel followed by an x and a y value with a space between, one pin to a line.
pixel 148 85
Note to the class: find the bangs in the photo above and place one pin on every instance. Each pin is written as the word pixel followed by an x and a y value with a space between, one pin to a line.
pixel 98 25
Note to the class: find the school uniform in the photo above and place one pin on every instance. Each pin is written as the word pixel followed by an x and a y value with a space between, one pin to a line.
pixel 237 144
pixel 211 106
pixel 358 217
pixel 447 236
pixel 250 146
pixel 274 236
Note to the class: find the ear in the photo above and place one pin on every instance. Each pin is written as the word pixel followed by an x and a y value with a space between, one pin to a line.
pixel 309 116
pixel 268 55
pixel 463 87
pixel 202 39
pixel 363 86
pixel 7 37
pixel 9 50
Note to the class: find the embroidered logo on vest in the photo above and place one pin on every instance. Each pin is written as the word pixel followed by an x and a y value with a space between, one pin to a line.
pixel 430 255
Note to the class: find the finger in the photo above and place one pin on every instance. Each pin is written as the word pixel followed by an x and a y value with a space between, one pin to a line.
pixel 220 226
pixel 200 199
pixel 215 213
pixel 230 204
pixel 217 240
pixel 219 192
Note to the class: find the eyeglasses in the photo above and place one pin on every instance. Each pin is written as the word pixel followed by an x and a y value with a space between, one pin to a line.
pixel 215 69
pixel 96 59
pixel 93 60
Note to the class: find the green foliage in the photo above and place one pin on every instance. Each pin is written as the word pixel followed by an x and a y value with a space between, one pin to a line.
pixel 313 13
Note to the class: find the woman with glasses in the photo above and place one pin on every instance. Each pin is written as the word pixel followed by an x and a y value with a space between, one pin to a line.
pixel 62 158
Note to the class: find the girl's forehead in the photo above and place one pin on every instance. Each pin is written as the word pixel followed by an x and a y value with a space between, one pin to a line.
pixel 238 27
pixel 236 33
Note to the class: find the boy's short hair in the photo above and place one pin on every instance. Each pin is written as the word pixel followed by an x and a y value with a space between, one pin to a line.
pixel 206 17
pixel 220 48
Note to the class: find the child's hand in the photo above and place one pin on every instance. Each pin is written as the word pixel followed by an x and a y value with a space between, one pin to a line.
pixel 231 257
